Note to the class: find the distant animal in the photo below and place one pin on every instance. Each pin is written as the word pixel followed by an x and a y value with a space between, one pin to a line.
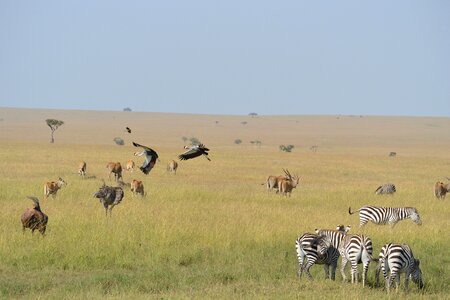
pixel 52 187
pixel 109 196
pixel 356 249
pixel 395 259
pixel 288 184
pixel 387 188
pixel 172 166
pixel 137 187
pixel 150 158
pixel 130 166
pixel 128 129
pixel 82 169
pixel 392 154
pixel 33 218
pixel 194 151
pixel 116 168
pixel 313 249
pixel 386 215
pixel 441 189
pixel 273 182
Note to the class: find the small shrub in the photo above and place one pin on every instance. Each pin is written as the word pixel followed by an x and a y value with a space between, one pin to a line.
pixel 237 141
pixel 127 109
pixel 194 141
pixel 286 148
pixel 244 122
pixel 119 141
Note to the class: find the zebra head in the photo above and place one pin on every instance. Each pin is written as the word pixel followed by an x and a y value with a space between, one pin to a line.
pixel 414 215
pixel 323 243
pixel 416 274
pixel 343 228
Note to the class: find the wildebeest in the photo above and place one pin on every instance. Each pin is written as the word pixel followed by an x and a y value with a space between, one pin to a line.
pixel 288 184
pixel 130 165
pixel 116 168
pixel 388 188
pixel 441 189
pixel 33 218
pixel 82 169
pixel 109 196
pixel 52 187
pixel 137 187
pixel 172 166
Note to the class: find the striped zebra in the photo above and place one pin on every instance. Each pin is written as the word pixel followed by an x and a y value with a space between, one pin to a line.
pixel 386 215
pixel 315 250
pixel 396 259
pixel 356 249
pixel 388 188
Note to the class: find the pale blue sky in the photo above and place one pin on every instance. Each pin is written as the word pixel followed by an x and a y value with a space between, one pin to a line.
pixel 228 57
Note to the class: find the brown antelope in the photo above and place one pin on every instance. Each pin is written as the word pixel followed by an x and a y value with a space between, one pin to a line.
pixel 273 182
pixel 116 168
pixel 34 218
pixel 52 187
pixel 172 167
pixel 130 165
pixel 82 169
pixel 441 189
pixel 288 184
pixel 137 187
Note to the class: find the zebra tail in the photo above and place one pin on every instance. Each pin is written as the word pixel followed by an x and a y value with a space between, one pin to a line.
pixel 350 211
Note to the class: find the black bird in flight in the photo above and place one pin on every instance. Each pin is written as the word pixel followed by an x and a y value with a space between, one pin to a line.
pixel 150 158
pixel 194 151
pixel 128 129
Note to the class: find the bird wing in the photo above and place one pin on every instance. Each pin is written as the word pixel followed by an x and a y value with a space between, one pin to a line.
pixel 191 153
pixel 128 129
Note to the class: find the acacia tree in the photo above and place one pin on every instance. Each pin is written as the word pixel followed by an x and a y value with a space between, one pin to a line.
pixel 53 124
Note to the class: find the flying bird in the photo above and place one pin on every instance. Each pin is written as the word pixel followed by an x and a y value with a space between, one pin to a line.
pixel 194 151
pixel 150 158
pixel 128 129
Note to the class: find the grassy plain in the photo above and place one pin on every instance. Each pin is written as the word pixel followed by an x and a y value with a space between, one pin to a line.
pixel 212 230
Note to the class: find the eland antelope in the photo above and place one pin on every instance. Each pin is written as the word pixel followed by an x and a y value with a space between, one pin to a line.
pixel 52 187
pixel 137 187
pixel 172 166
pixel 82 169
pixel 130 166
pixel 116 168
pixel 288 184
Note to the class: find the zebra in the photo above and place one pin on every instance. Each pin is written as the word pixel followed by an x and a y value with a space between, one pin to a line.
pixel 316 250
pixel 386 215
pixel 388 188
pixel 356 248
pixel 396 259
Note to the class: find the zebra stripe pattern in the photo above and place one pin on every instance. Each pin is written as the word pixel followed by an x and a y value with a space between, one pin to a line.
pixel 386 215
pixel 356 249
pixel 388 188
pixel 316 250
pixel 396 259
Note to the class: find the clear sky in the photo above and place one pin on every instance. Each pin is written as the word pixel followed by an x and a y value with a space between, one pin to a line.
pixel 228 57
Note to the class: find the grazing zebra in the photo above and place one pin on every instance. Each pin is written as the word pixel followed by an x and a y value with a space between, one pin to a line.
pixel 388 188
pixel 386 215
pixel 316 250
pixel 396 259
pixel 356 249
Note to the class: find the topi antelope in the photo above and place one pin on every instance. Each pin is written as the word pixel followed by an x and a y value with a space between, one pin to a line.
pixel 34 218
pixel 109 196
pixel 441 189
pixel 172 167
pixel 130 166
pixel 116 168
pixel 137 188
pixel 82 169
pixel 52 187
pixel 288 184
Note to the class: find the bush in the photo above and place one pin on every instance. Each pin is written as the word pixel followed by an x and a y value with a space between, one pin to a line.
pixel 119 141
pixel 127 109
pixel 237 141
pixel 286 148
pixel 194 141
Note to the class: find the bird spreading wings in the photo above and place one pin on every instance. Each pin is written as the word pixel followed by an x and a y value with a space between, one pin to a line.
pixel 128 129
pixel 194 151
pixel 150 158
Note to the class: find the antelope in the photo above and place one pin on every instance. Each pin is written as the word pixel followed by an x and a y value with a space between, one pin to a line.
pixel 34 218
pixel 52 187
pixel 115 168
pixel 273 182
pixel 172 167
pixel 288 184
pixel 82 169
pixel 441 189
pixel 130 166
pixel 137 187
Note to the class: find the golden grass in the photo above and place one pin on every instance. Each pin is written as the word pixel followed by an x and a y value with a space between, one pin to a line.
pixel 212 230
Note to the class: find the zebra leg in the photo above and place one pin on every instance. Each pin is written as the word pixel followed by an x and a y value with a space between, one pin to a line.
pixel 364 275
pixel 333 270
pixel 343 264
pixel 306 269
pixel 326 269
pixel 354 272
pixel 397 282
pixel 406 280
pixel 377 274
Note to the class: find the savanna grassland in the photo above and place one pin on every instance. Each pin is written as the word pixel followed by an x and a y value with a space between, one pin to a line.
pixel 212 230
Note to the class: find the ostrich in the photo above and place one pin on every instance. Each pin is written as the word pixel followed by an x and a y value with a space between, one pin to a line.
pixel 109 196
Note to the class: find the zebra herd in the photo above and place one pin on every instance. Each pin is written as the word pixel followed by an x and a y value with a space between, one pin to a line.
pixel 325 246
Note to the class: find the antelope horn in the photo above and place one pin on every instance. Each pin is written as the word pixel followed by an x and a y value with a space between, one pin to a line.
pixel 286 171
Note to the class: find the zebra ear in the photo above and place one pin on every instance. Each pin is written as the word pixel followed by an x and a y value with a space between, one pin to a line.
pixel 417 261
pixel 316 230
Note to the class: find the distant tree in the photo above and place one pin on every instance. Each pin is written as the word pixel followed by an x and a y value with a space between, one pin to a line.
pixel 53 124
pixel 119 141
pixel 237 141
pixel 217 122
pixel 253 114
pixel 194 141
pixel 286 148
pixel 244 122
pixel 127 109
